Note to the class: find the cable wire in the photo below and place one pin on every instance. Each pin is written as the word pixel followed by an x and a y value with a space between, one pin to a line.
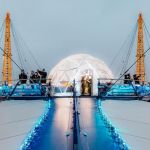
pixel 146 35
pixel 128 69
pixel 120 49
pixel 25 45
pixel 17 47
pixel 10 58
pixel 130 49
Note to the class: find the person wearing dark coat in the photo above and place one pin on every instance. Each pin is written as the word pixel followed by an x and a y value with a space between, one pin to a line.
pixel 37 78
pixel 32 77
pixel 23 77
pixel 136 79
pixel 43 75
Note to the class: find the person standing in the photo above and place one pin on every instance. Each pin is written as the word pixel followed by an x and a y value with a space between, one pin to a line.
pixel 23 77
pixel 43 75
pixel 32 77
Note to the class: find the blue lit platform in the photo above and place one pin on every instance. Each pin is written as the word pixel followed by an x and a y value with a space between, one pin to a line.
pixel 128 116
pixel 34 92
pixel 21 90
pixel 17 120
pixel 129 90
pixel 132 119
pixel 54 128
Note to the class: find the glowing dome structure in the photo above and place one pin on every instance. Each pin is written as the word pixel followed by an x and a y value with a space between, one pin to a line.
pixel 77 66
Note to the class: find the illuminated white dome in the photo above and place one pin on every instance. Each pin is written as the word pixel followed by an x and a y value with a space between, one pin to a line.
pixel 76 66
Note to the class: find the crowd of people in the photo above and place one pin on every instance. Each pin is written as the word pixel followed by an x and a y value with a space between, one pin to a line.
pixel 35 77
pixel 128 79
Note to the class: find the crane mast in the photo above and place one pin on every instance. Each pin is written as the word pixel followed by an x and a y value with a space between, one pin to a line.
pixel 7 62
pixel 140 68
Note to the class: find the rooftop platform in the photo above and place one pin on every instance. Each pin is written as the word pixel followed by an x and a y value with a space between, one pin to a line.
pixel 132 118
pixel 16 120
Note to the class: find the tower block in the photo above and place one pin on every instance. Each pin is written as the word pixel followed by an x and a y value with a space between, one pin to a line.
pixel 7 63
pixel 140 68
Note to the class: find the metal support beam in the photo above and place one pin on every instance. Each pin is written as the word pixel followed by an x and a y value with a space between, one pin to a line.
pixel 7 61
pixel 140 68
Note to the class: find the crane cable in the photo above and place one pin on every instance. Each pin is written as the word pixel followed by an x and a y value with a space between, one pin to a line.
pixel 2 31
pixel 129 51
pixel 17 47
pixel 146 29
pixel 132 64
pixel 23 43
pixel 10 58
pixel 120 49
pixel 147 39
pixel 128 69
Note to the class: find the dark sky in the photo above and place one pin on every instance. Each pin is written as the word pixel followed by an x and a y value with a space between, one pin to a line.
pixel 54 29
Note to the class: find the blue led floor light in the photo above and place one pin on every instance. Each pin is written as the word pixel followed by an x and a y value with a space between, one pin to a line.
pixel 118 141
pixel 34 135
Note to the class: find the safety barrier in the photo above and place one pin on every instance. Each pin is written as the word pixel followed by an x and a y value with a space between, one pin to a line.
pixel 21 90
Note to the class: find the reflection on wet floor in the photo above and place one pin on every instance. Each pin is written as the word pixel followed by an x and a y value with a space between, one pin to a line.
pixel 94 135
pixel 55 134
pixel 58 133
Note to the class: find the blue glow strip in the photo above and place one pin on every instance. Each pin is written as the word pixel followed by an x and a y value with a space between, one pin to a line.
pixel 33 137
pixel 119 142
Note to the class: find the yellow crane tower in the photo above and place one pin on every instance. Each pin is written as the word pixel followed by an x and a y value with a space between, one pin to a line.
pixel 7 62
pixel 140 68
